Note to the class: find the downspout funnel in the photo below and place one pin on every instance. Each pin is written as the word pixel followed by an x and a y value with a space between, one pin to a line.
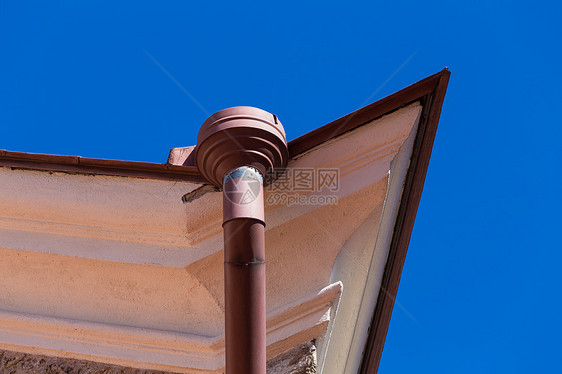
pixel 237 150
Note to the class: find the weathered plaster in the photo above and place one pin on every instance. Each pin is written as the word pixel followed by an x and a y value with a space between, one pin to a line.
pixel 299 360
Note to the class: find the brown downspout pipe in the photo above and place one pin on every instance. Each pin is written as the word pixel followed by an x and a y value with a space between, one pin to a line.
pixel 236 148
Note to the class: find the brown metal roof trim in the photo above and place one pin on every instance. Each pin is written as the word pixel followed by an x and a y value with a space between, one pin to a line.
pixel 432 102
pixel 408 95
pixel 81 165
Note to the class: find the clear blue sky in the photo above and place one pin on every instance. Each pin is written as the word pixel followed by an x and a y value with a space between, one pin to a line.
pixel 482 279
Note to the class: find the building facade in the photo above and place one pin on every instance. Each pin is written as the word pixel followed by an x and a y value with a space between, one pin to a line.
pixel 116 266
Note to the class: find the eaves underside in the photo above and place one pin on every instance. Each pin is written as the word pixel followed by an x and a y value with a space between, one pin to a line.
pixel 430 92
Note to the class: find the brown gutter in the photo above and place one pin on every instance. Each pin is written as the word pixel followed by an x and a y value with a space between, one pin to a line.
pixel 236 148
pixel 432 102
pixel 81 165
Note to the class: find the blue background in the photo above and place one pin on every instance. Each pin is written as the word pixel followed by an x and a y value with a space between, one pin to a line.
pixel 480 292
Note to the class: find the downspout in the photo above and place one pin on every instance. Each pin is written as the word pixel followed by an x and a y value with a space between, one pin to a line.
pixel 237 148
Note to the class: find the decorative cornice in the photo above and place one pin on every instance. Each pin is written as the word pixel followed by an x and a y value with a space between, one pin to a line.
pixel 287 327
pixel 202 231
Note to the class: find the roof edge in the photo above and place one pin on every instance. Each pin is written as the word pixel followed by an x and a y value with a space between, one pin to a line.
pixel 432 90
pixel 80 165
pixel 366 114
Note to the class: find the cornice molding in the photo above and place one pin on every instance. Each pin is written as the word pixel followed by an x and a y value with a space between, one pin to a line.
pixel 367 161
pixel 91 231
pixel 287 327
